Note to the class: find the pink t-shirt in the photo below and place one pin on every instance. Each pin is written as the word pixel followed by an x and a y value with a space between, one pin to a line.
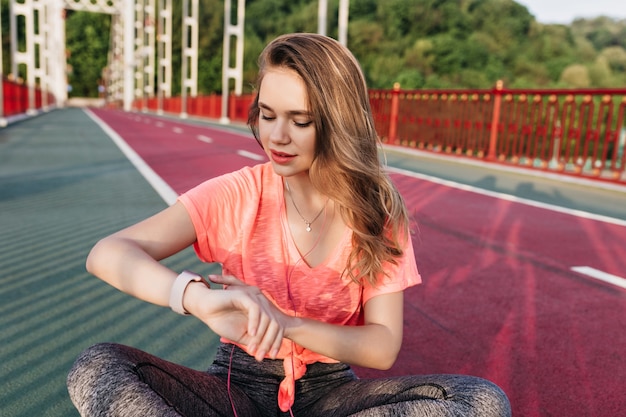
pixel 240 222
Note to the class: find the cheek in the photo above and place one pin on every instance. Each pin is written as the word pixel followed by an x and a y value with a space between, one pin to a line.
pixel 311 142
pixel 263 132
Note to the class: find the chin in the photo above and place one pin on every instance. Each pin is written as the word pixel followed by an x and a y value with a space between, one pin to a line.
pixel 288 171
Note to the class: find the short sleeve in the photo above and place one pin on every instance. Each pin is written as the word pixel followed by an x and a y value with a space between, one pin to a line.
pixel 220 209
pixel 398 277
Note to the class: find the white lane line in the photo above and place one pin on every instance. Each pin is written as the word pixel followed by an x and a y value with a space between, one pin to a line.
pixel 177 130
pixel 205 139
pixel 251 155
pixel 160 186
pixel 601 275
pixel 159 124
pixel 509 197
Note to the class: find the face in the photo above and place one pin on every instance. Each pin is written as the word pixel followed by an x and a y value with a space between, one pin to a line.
pixel 286 127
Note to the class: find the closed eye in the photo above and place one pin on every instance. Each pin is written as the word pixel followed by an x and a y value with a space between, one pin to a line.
pixel 303 125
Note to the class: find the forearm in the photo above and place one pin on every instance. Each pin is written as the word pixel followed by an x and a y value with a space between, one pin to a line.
pixel 370 345
pixel 125 266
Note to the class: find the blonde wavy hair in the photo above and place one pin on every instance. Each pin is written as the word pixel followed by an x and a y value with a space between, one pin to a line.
pixel 346 164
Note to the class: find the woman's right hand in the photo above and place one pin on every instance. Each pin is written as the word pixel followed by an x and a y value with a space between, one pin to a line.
pixel 240 313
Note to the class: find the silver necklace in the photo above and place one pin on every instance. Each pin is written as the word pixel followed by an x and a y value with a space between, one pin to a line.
pixel 308 223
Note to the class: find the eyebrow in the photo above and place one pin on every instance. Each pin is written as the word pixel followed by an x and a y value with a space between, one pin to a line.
pixel 290 112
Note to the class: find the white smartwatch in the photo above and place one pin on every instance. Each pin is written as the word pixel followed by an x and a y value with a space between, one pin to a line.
pixel 178 290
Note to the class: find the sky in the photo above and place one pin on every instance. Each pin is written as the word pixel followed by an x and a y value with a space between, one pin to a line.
pixel 565 11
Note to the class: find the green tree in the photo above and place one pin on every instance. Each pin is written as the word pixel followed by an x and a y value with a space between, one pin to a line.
pixel 420 56
pixel 600 73
pixel 6 40
pixel 615 57
pixel 410 79
pixel 576 76
pixel 427 43
pixel 87 43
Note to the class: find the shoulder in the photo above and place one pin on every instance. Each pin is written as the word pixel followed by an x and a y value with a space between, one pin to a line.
pixel 252 175
pixel 258 174
pixel 249 180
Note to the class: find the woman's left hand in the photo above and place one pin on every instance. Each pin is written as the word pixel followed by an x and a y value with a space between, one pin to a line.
pixel 243 314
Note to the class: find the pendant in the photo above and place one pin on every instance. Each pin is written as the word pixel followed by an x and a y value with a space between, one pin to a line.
pixel 308 227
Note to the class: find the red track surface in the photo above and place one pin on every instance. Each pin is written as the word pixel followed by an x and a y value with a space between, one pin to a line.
pixel 499 299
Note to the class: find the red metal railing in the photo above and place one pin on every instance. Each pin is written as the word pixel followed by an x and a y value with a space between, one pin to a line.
pixel 15 98
pixel 209 106
pixel 577 132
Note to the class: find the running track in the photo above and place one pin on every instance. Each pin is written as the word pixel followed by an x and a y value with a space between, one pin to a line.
pixel 500 297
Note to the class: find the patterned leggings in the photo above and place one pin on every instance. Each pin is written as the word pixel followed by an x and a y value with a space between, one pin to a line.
pixel 116 380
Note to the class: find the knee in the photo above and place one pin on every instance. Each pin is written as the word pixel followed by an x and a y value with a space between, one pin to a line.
pixel 491 399
pixel 91 360
pixel 90 368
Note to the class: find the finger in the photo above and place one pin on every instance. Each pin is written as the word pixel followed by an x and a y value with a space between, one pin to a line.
pixel 261 330
pixel 225 280
pixel 278 341
pixel 253 311
pixel 273 337
pixel 271 341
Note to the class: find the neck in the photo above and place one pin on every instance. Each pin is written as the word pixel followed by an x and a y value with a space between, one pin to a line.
pixel 308 206
pixel 304 193
pixel 301 185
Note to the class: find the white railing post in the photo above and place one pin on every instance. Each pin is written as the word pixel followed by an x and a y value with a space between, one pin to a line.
pixel 164 53
pixel 229 72
pixel 3 121
pixel 128 19
pixel 344 8
pixel 322 15
pixel 189 80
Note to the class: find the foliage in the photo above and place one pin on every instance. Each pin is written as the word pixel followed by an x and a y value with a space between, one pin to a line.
pixel 418 43
pixel 6 41
pixel 576 75
pixel 87 45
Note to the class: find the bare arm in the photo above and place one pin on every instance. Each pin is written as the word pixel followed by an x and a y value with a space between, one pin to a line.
pixel 128 259
pixel 374 345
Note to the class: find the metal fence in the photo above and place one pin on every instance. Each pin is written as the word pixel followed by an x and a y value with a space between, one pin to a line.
pixel 208 106
pixel 577 132
pixel 16 98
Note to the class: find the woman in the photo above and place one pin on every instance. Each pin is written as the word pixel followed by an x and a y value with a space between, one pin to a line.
pixel 316 253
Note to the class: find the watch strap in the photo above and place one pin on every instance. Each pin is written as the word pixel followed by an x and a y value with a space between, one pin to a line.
pixel 178 290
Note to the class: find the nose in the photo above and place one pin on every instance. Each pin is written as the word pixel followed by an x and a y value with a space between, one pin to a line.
pixel 279 132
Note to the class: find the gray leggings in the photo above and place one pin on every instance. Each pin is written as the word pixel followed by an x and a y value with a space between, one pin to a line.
pixel 115 380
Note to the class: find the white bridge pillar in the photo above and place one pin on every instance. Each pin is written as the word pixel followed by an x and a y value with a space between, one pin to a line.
pixel 132 68
pixel 322 16
pixel 229 72
pixel 189 81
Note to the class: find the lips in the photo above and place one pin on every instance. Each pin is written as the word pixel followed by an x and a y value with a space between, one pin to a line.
pixel 281 157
